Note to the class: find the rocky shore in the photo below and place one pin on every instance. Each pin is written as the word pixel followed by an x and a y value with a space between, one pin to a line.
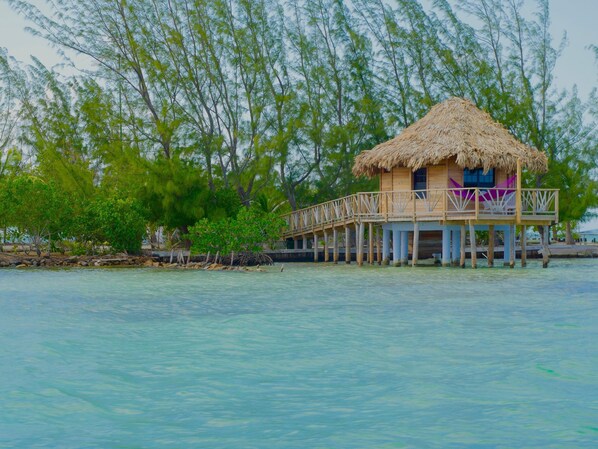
pixel 17 260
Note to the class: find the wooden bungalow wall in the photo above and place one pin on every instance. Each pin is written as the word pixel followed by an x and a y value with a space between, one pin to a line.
pixel 401 178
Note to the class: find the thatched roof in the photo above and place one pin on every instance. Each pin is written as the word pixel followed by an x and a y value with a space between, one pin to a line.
pixel 457 129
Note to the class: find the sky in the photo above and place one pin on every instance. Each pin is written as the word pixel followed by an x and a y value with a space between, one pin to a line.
pixel 577 66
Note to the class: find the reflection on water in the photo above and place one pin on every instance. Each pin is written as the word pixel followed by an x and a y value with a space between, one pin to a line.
pixel 314 357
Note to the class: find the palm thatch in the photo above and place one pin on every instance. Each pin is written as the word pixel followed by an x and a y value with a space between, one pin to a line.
pixel 456 129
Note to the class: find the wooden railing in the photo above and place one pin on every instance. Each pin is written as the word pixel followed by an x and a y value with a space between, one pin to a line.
pixel 425 205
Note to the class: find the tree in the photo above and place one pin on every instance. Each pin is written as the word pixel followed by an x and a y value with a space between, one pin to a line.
pixel 246 233
pixel 35 207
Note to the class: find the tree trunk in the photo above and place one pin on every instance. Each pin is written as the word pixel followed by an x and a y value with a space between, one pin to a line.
pixel 568 234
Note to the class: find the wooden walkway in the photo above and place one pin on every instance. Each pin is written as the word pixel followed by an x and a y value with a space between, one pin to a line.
pixel 411 211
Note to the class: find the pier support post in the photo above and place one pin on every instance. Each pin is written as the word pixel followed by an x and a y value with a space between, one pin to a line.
pixel 512 247
pixel 304 242
pixel 335 246
pixel 371 243
pixel 378 250
pixel 315 247
pixel 463 237
pixel 404 248
pixel 326 255
pixel 396 247
pixel 359 239
pixel 415 254
pixel 295 243
pixel 507 245
pixel 385 246
pixel 474 248
pixel 490 246
pixel 523 245
pixel 456 240
pixel 356 243
pixel 545 237
pixel 446 247
pixel 347 244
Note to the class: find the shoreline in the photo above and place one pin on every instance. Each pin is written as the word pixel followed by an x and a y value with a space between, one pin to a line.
pixel 159 260
pixel 24 261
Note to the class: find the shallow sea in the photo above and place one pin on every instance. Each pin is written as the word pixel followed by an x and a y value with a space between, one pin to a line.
pixel 318 356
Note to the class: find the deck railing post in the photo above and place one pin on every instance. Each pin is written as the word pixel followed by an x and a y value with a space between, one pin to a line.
pixel 386 205
pixel 414 198
pixel 518 197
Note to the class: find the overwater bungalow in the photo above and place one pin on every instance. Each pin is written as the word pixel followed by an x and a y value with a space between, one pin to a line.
pixel 453 172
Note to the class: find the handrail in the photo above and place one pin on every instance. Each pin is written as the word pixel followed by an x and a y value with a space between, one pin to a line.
pixel 431 204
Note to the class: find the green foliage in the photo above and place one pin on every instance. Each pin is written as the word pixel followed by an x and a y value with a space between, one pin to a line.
pixel 118 222
pixel 207 105
pixel 35 207
pixel 246 233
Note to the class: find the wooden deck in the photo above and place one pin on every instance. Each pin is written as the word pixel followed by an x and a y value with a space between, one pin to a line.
pixel 444 206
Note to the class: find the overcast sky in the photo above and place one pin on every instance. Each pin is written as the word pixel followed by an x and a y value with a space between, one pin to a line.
pixel 579 18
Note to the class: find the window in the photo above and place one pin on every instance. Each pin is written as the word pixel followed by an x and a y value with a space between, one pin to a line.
pixel 420 181
pixel 477 178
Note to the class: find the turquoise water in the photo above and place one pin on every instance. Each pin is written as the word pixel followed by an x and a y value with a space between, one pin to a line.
pixel 314 357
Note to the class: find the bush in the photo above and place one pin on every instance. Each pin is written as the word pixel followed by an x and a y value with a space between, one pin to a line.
pixel 118 222
pixel 247 233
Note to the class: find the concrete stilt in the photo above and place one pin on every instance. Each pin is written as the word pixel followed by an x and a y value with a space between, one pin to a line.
pixel 545 238
pixel 456 241
pixel 396 247
pixel 378 249
pixel 473 245
pixel 347 244
pixel 371 243
pixel 385 246
pixel 446 247
pixel 490 246
pixel 507 245
pixel 523 246
pixel 415 248
pixel 462 247
pixel 512 246
pixel 359 239
pixel 404 248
